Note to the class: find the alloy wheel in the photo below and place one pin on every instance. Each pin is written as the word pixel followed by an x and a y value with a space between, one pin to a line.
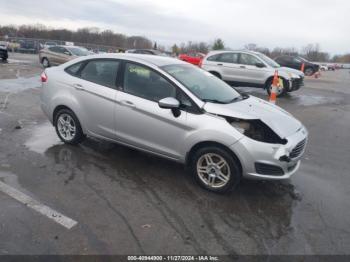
pixel 213 170
pixel 66 127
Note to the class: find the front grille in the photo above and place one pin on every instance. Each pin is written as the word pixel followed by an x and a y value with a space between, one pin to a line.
pixel 297 83
pixel 267 169
pixel 298 149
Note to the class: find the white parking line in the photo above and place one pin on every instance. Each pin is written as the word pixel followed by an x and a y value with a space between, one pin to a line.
pixel 37 206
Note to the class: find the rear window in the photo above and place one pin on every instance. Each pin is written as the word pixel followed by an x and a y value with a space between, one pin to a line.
pixel 54 49
pixel 225 58
pixel 102 72
pixel 213 57
pixel 73 69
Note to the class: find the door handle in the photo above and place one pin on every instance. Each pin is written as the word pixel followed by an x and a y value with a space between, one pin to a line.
pixel 220 64
pixel 127 103
pixel 78 86
pixel 242 66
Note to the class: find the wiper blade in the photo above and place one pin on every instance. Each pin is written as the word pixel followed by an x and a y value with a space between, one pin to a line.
pixel 213 101
pixel 235 99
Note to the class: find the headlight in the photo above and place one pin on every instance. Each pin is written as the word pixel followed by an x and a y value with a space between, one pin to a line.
pixel 256 129
pixel 240 126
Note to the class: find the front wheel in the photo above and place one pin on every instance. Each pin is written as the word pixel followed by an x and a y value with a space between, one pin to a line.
pixel 68 127
pixel 309 71
pixel 215 169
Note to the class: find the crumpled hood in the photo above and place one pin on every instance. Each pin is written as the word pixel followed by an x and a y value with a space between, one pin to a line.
pixel 279 120
pixel 291 70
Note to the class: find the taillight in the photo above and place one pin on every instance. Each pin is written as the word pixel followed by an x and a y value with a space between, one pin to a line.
pixel 200 62
pixel 43 77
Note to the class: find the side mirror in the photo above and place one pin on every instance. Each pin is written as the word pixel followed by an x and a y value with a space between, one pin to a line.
pixel 67 53
pixel 169 103
pixel 259 65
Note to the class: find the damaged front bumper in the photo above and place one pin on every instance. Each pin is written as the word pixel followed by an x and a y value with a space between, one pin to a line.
pixel 261 160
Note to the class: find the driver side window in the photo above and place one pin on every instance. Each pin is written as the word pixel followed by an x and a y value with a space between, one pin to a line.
pixel 146 83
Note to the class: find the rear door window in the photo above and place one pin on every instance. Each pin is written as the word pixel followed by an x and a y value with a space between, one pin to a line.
pixel 225 58
pixel 54 49
pixel 102 72
pixel 247 59
pixel 228 58
pixel 213 57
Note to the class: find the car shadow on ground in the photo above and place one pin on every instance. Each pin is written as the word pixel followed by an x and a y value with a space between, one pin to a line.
pixel 258 204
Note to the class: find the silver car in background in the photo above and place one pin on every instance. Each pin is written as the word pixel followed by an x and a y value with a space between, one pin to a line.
pixel 174 110
pixel 248 68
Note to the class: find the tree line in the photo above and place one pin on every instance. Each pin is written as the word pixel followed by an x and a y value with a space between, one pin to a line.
pixel 93 35
pixel 311 52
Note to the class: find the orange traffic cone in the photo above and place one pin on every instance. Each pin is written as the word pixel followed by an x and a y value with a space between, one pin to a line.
pixel 302 67
pixel 274 89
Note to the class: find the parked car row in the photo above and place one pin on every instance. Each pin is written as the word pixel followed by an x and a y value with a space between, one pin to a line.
pixel 243 68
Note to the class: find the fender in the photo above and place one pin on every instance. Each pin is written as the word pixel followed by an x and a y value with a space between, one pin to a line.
pixel 64 99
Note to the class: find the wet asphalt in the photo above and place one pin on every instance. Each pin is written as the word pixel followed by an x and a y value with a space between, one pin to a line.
pixel 127 202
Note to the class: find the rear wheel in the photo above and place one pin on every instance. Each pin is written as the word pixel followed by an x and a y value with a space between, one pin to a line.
pixel 68 127
pixel 281 90
pixel 309 71
pixel 45 62
pixel 4 58
pixel 215 169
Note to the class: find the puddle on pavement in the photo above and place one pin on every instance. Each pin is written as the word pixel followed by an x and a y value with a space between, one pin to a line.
pixel 19 84
pixel 306 100
pixel 16 61
pixel 43 137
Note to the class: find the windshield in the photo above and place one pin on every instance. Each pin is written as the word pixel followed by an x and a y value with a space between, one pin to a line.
pixel 302 59
pixel 78 51
pixel 268 61
pixel 202 84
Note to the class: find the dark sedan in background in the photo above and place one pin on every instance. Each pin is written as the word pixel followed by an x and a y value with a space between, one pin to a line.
pixel 296 63
pixel 3 51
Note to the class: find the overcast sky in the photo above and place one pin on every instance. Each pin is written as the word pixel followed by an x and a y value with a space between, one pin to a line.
pixel 268 23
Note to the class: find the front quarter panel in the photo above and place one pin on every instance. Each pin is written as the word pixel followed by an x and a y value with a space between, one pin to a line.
pixel 208 128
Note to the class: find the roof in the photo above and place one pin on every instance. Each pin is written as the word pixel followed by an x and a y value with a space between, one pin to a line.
pixel 152 59
pixel 233 51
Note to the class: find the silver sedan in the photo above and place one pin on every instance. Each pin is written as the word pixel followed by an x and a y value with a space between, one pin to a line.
pixel 174 110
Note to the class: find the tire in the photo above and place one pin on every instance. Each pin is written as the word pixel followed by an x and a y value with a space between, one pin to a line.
pixel 309 71
pixel 68 127
pixel 230 170
pixel 282 90
pixel 216 74
pixel 45 62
